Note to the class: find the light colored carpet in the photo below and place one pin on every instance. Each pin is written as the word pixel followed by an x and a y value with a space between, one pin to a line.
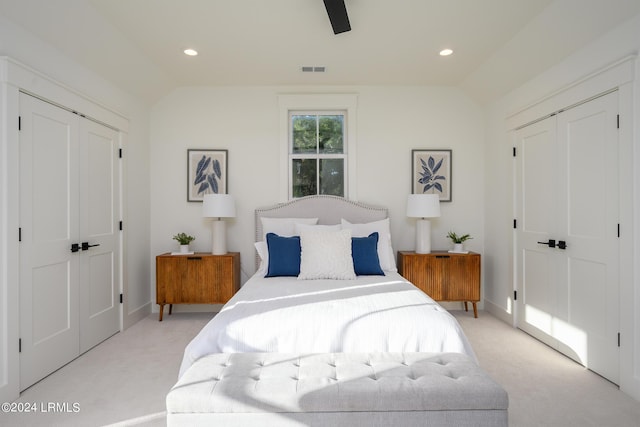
pixel 124 380
pixel 545 388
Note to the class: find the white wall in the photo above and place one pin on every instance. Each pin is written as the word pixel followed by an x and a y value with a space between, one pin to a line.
pixel 391 122
pixel 499 285
pixel 85 86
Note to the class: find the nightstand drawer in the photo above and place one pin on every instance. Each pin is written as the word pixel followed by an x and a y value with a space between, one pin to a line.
pixel 442 275
pixel 199 278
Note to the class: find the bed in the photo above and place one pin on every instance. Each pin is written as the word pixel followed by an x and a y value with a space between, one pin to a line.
pixel 326 284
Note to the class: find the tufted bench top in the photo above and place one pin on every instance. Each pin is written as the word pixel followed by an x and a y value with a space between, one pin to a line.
pixel 335 382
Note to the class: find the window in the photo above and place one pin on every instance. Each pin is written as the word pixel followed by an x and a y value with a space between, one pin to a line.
pixel 317 153
pixel 317 145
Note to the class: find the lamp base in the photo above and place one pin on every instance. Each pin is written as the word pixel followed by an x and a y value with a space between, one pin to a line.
pixel 423 236
pixel 218 237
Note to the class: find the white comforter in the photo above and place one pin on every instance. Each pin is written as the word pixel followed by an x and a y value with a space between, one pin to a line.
pixel 369 314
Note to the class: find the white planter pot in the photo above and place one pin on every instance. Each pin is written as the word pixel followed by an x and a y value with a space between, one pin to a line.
pixel 458 247
pixel 184 249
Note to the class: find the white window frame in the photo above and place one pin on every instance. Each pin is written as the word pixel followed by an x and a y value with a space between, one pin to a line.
pixel 318 155
pixel 346 103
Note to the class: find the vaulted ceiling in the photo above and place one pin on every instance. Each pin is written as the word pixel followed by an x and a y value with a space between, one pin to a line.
pixel 138 44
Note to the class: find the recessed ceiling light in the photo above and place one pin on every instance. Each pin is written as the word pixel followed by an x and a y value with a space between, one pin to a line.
pixel 190 52
pixel 446 52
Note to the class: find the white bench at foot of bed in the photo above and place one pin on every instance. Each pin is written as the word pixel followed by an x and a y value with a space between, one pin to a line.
pixel 336 389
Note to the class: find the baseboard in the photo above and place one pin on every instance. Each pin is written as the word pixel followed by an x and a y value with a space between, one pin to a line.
pixel 499 312
pixel 129 319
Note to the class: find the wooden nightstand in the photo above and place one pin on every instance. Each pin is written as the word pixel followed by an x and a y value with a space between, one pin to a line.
pixel 200 278
pixel 444 276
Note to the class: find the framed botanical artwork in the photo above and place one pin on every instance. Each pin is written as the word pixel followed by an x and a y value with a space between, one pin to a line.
pixel 206 173
pixel 431 173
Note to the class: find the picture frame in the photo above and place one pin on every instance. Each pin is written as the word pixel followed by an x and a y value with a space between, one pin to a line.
pixel 431 172
pixel 206 173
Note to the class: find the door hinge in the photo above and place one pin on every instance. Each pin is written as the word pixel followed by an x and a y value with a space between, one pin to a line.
pixel 618 230
pixel 19 345
pixel 515 223
pixel 120 152
pixel 121 298
pixel 120 225
pixel 515 295
pixel 618 339
pixel 514 151
pixel 19 123
pixel 19 234
pixel 618 121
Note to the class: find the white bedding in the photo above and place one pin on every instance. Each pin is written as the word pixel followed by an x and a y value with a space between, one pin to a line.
pixel 368 314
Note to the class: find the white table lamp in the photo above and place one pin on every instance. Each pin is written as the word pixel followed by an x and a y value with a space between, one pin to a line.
pixel 423 206
pixel 218 206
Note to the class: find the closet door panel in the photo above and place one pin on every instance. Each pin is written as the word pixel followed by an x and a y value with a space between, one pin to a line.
pixel 48 221
pixel 589 219
pixel 536 212
pixel 99 214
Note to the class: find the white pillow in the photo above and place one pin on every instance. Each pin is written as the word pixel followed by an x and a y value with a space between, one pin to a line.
pixel 301 227
pixel 385 251
pixel 263 253
pixel 326 255
pixel 285 227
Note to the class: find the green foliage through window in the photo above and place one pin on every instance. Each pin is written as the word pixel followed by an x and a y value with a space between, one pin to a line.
pixel 317 153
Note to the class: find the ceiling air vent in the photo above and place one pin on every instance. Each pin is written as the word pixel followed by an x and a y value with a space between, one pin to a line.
pixel 307 69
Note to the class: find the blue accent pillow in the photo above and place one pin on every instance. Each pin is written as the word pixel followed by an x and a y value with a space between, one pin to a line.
pixel 364 251
pixel 284 255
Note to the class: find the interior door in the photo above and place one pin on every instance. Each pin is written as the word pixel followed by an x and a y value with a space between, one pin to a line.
pixel 567 191
pixel 589 219
pixel 537 204
pixel 49 328
pixel 69 195
pixel 99 232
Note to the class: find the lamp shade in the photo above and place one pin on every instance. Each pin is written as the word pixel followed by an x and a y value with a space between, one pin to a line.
pixel 218 206
pixel 423 205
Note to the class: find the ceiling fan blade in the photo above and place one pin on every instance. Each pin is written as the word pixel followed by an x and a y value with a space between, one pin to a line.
pixel 337 12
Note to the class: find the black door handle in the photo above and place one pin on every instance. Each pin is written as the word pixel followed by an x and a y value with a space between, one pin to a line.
pixel 86 246
pixel 551 243
pixel 75 247
pixel 562 244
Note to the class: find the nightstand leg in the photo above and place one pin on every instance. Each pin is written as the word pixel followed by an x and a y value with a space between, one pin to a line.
pixel 161 309
pixel 465 306
pixel 475 310
pixel 170 308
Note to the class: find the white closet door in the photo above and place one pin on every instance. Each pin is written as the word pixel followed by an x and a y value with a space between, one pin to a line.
pixel 49 330
pixel 537 204
pixel 567 191
pixel 589 220
pixel 99 232
pixel 69 194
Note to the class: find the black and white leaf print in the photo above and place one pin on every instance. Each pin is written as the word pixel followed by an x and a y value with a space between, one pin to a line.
pixel 200 178
pixel 207 176
pixel 217 169
pixel 203 164
pixel 203 187
pixel 213 183
pixel 428 175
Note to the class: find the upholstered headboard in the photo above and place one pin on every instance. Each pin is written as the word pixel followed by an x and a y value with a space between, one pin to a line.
pixel 328 210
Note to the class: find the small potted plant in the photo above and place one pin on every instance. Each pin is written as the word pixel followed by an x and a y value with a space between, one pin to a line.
pixel 184 240
pixel 458 241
